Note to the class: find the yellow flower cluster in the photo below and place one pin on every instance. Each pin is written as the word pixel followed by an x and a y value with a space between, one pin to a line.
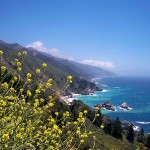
pixel 1 52
pixel 29 75
pixel 38 71
pixel 69 79
pixel 3 68
pixel 29 121
pixel 44 65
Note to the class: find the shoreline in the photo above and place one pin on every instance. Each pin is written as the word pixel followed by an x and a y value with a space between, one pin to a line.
pixel 68 100
pixel 138 124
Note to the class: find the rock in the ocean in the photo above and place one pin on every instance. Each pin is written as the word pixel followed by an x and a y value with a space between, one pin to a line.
pixel 124 106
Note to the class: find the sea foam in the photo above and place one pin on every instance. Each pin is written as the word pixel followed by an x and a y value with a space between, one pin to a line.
pixel 105 90
pixel 136 128
pixel 142 122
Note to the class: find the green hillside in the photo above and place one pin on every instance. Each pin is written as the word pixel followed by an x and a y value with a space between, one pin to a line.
pixel 55 70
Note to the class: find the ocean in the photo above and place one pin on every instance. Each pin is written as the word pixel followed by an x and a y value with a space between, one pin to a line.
pixel 135 91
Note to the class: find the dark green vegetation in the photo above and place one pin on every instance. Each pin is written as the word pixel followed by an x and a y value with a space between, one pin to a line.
pixel 147 141
pixel 140 136
pixel 114 128
pixel 130 134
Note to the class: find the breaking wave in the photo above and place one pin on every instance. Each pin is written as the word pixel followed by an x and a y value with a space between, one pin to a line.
pixel 142 122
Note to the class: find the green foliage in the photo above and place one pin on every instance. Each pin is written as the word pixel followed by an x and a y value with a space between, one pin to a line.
pixel 140 136
pixel 117 129
pixel 114 128
pixel 108 127
pixel 130 134
pixel 147 141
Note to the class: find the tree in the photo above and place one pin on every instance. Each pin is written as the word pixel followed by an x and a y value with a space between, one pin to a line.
pixel 147 141
pixel 108 127
pixel 140 136
pixel 117 129
pixel 130 134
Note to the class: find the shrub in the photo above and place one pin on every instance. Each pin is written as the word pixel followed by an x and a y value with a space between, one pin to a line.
pixel 28 118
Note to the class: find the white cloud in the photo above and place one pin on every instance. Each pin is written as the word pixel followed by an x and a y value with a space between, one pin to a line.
pixel 52 51
pixel 55 52
pixel 36 45
pixel 97 63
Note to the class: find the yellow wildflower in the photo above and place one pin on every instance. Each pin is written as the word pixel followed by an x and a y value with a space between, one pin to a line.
pixel 6 145
pixel 94 137
pixel 69 79
pixel 15 78
pixel 68 123
pixel 96 108
pixel 41 100
pixel 51 104
pixel 80 114
pixel 38 71
pixel 3 68
pixel 37 91
pixel 19 69
pixel 44 65
pixel 29 80
pixel 19 136
pixel 48 85
pixel 18 64
pixel 19 54
pixel 1 52
pixel 78 132
pixel 102 126
pixel 56 113
pixel 97 115
pixel 5 137
pixel 82 141
pixel 50 80
pixel 90 132
pixel 85 112
pixel 16 60
pixel 29 75
pixel 55 127
pixel 29 93
pixel 24 53
pixel 75 123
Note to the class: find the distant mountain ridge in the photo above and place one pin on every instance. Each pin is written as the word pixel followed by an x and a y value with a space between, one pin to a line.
pixel 87 71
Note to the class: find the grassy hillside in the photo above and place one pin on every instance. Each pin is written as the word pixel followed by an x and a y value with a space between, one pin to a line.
pixel 55 70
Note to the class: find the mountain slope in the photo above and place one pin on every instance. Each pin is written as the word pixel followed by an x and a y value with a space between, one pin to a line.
pixel 86 71
pixel 55 69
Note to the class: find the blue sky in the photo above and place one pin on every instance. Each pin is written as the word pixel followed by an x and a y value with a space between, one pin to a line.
pixel 114 34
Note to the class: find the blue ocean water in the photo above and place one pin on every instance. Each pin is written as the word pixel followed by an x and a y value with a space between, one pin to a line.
pixel 133 90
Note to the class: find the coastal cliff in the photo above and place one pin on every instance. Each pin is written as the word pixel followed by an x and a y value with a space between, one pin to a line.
pixel 82 86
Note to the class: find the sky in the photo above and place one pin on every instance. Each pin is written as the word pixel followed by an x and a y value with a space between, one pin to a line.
pixel 112 34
